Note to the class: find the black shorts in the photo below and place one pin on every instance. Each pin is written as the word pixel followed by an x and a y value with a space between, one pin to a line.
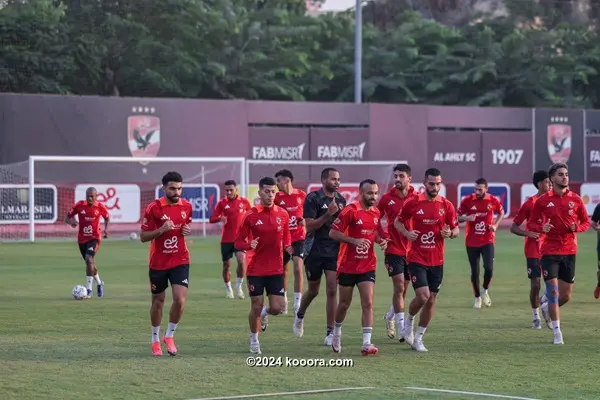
pixel 396 265
pixel 272 284
pixel 561 267
pixel 89 248
pixel 298 251
pixel 431 277
pixel 344 279
pixel 534 268
pixel 316 265
pixel 227 251
pixel 160 278
pixel 486 253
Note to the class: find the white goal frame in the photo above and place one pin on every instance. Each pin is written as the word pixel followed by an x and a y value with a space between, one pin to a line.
pixel 109 159
pixel 330 163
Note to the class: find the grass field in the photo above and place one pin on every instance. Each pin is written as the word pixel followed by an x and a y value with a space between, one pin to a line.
pixel 53 347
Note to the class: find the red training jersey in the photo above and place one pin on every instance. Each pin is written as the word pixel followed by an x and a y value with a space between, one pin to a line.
pixel 270 225
pixel 477 233
pixel 563 213
pixel 293 203
pixel 234 210
pixel 390 205
pixel 169 250
pixel 89 220
pixel 428 219
pixel 532 246
pixel 358 223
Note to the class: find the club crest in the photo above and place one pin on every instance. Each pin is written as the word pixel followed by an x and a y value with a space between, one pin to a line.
pixel 143 133
pixel 559 142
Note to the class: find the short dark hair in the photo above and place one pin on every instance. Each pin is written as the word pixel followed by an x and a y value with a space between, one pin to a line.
pixel 326 171
pixel 481 181
pixel 367 182
pixel 286 173
pixel 432 172
pixel 171 176
pixel 266 181
pixel 403 168
pixel 230 182
pixel 539 176
pixel 556 167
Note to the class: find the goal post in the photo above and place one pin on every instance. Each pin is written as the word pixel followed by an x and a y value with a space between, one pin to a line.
pixel 126 185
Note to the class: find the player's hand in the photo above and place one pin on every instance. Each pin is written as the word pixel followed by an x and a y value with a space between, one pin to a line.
pixel 573 227
pixel 546 227
pixel 74 225
pixel 470 218
pixel 167 226
pixel 332 208
pixel 224 219
pixel 254 243
pixel 533 235
pixel 492 228
pixel 290 250
pixel 412 235
pixel 446 232
pixel 186 230
pixel 301 221
pixel 383 244
pixel 362 243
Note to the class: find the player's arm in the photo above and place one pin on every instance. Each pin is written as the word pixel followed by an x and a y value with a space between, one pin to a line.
pixel 70 218
pixel 402 221
pixel 462 211
pixel 106 216
pixel 311 209
pixel 150 229
pixel 287 236
pixel 536 218
pixel 244 237
pixel 584 218
pixel 523 214
pixel 216 215
pixel 381 233
pixel 596 218
pixel 451 221
pixel 340 225
pixel 500 210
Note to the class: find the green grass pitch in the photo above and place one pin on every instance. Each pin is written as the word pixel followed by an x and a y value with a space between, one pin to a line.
pixel 53 347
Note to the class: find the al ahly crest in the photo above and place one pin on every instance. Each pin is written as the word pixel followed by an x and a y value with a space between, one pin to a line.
pixel 143 133
pixel 559 140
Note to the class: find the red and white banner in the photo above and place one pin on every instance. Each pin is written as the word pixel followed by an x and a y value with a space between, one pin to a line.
pixel 122 201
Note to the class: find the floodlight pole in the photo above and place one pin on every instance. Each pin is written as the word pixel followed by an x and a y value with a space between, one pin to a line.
pixel 358 52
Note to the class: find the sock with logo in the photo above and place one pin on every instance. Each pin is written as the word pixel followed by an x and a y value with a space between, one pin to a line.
pixel 89 280
pixel 367 335
pixel 155 333
pixel 239 282
pixel 97 279
pixel 171 330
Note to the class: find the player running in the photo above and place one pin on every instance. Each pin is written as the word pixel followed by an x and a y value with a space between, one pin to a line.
pixel 356 229
pixel 88 212
pixel 478 210
pixel 292 200
pixel 166 223
pixel 230 211
pixel 321 208
pixel 433 220
pixel 532 243
pixel 596 227
pixel 265 234
pixel 395 255
pixel 559 214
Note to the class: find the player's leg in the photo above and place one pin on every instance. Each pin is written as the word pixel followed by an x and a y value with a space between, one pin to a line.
pixel 286 276
pixel 406 280
pixel 313 277
pixel 226 256
pixel 331 301
pixel 534 272
pixel 597 290
pixel 418 275
pixel 366 289
pixel 298 273
pixel 240 257
pixel 274 287
pixel 566 279
pixel 88 252
pixel 473 254
pixel 346 284
pixel 488 255
pixel 256 288
pixel 435 276
pixel 180 280
pixel 159 282
pixel 550 309
pixel 395 268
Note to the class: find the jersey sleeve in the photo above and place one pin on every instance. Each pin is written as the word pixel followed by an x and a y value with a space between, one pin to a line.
pixel 190 212
pixel 523 213
pixel 287 237
pixel 247 205
pixel 536 218
pixel 497 205
pixel 407 212
pixel 216 215
pixel 244 237
pixel 451 219
pixel 74 210
pixel 584 218
pixel 596 214
pixel 343 220
pixel 149 223
pixel 311 207
pixel 104 211
pixel 462 208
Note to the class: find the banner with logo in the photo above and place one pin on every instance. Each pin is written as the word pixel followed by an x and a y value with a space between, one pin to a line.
pixel 456 154
pixel 14 200
pixel 506 155
pixel 122 201
pixel 592 145
pixel 500 190
pixel 527 190
pixel 559 139
pixel 200 204
pixel 348 190
pixel 590 194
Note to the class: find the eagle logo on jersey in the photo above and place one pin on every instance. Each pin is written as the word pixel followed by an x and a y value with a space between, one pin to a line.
pixel 489 207
pixel 571 204
pixel 299 200
pixel 183 215
pixel 441 211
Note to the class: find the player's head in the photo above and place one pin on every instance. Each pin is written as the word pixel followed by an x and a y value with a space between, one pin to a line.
pixel 330 178
pixel 559 175
pixel 402 176
pixel 172 186
pixel 231 190
pixel 432 182
pixel 369 192
pixel 541 181
pixel 284 178
pixel 481 188
pixel 90 195
pixel 266 191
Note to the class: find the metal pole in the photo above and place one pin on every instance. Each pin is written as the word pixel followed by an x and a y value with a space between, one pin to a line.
pixel 358 52
pixel 204 204
pixel 31 199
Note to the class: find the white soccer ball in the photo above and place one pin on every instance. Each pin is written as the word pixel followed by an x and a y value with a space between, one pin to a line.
pixel 133 236
pixel 79 292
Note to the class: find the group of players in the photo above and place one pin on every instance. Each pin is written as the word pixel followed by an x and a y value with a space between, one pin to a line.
pixel 324 235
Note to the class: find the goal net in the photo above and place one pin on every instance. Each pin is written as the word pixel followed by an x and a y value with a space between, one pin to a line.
pixel 125 185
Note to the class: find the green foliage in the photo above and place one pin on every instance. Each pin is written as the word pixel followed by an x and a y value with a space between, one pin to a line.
pixel 259 49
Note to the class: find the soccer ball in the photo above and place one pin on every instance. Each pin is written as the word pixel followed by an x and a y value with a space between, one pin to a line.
pixel 79 292
pixel 133 236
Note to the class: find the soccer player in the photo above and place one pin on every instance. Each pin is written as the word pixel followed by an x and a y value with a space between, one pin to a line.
pixel 292 200
pixel 541 181
pixel 356 228
pixel 433 220
pixel 265 234
pixel 166 223
pixel 477 210
pixel 596 227
pixel 395 255
pixel 230 211
pixel 321 208
pixel 559 214
pixel 88 212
